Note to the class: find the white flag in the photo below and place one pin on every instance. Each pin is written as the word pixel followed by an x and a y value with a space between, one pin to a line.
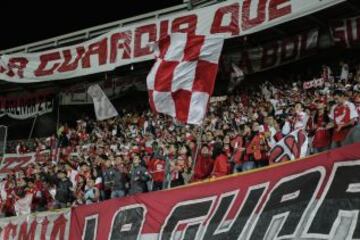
pixel 103 107
pixel 23 205
pixel 183 77
pixel 292 146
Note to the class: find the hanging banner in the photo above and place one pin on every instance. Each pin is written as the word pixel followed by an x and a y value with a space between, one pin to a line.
pixel 346 32
pixel 113 88
pixel 28 106
pixel 130 44
pixel 42 226
pixel 276 53
pixel 313 198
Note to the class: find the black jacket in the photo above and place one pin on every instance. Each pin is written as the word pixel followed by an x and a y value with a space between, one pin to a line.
pixel 114 179
pixel 63 191
pixel 138 179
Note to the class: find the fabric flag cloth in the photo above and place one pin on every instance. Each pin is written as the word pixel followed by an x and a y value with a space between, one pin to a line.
pixel 295 145
pixel 183 76
pixel 103 107
pixel 23 205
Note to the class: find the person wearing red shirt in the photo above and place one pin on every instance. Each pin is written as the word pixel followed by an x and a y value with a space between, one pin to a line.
pixel 237 154
pixel 221 164
pixel 344 116
pixel 245 161
pixel 157 171
pixel 258 146
pixel 322 137
pixel 203 164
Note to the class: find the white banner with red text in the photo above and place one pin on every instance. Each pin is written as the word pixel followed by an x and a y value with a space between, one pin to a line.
pixel 130 44
pixel 319 82
pixel 40 226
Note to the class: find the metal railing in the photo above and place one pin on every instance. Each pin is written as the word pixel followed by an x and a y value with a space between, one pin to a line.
pixel 88 33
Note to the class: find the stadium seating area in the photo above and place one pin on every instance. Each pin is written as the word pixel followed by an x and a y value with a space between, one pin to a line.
pixel 140 151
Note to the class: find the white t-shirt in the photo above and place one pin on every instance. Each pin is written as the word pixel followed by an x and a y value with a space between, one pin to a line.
pixel 301 120
pixel 72 176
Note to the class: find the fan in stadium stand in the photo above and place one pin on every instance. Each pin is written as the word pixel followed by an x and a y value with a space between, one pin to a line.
pixel 191 119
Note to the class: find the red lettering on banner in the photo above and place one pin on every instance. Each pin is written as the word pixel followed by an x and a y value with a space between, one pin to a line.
pixel 44 226
pixel 58 231
pixel 276 11
pixel 190 23
pixel 233 26
pixel 67 64
pixel 45 59
pixel 9 231
pixel 277 153
pixel 150 30
pixel 18 64
pixel 24 234
pixel 14 163
pixel 2 68
pixel 98 48
pixel 164 29
pixel 247 22
pixel 293 146
pixel 289 49
pixel 125 40
pixel 269 55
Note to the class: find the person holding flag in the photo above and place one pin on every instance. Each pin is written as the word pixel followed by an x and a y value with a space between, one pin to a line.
pixel 182 79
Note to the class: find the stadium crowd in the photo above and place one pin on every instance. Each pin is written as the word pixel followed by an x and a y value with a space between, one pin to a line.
pixel 140 151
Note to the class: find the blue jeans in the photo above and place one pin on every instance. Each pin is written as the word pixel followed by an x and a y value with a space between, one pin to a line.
pixel 321 149
pixel 117 194
pixel 244 166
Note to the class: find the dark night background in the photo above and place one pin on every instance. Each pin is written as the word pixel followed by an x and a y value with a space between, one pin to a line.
pixel 23 22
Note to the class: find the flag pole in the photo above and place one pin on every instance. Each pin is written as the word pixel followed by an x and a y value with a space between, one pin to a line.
pixel 198 146
pixel 33 126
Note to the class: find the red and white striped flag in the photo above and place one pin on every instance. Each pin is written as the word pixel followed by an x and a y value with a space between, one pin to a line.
pixel 183 76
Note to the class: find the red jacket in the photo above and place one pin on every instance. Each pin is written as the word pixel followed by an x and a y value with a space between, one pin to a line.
pixel 203 167
pixel 157 170
pixel 221 166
